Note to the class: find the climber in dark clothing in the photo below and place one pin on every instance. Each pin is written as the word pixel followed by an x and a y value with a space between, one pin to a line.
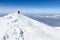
pixel 18 12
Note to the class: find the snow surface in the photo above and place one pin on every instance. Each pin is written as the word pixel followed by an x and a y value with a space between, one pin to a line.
pixel 19 27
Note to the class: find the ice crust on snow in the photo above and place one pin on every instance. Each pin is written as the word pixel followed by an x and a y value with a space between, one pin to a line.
pixel 19 27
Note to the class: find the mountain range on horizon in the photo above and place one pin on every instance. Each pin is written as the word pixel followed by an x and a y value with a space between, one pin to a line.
pixel 49 19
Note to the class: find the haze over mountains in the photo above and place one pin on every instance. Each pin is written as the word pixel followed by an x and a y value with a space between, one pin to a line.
pixel 52 19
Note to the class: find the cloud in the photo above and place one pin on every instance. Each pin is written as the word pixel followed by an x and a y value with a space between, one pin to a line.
pixel 29 10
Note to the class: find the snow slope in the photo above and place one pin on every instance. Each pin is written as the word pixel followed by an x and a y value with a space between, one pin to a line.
pixel 19 27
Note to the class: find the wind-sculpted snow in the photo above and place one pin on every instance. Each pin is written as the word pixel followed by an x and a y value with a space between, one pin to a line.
pixel 18 27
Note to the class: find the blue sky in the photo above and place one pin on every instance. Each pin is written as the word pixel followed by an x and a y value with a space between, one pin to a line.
pixel 30 6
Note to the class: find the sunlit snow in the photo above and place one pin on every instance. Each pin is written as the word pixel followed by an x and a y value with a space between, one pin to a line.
pixel 19 27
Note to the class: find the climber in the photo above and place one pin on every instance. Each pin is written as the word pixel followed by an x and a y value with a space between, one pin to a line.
pixel 18 12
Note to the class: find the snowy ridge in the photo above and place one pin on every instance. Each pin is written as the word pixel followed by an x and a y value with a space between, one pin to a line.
pixel 19 27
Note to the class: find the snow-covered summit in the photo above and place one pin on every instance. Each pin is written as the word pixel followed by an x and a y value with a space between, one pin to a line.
pixel 19 27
